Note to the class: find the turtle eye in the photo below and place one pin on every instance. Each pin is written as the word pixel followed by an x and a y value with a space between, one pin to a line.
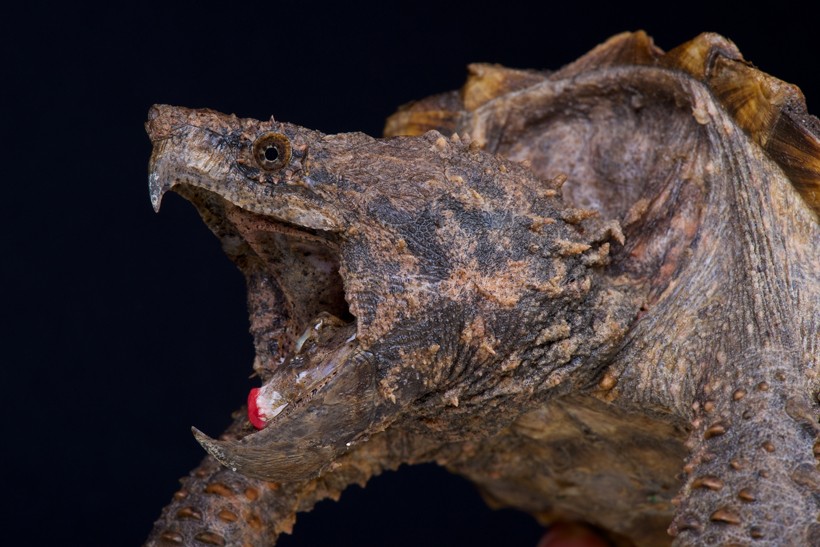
pixel 271 151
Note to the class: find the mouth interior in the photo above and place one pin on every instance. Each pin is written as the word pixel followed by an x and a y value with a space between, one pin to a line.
pixel 296 277
pixel 299 318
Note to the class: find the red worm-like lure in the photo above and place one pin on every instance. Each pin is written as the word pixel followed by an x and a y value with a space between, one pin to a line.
pixel 253 409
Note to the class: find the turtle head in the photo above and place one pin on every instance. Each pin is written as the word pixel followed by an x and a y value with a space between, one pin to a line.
pixel 380 273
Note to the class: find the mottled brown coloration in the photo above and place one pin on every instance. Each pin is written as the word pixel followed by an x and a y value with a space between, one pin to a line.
pixel 597 299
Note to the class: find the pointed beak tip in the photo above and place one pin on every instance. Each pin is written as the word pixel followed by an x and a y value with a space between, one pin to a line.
pixel 205 441
pixel 155 189
pixel 199 435
pixel 215 448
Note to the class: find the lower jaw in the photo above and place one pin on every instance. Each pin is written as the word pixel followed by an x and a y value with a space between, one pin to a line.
pixel 318 355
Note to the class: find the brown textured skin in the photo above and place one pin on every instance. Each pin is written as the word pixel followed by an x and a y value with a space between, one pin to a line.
pixel 650 366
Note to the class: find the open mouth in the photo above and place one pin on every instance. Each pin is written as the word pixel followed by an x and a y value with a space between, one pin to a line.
pixel 318 392
pixel 301 324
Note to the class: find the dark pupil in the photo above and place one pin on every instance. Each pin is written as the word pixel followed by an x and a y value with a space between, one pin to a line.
pixel 271 153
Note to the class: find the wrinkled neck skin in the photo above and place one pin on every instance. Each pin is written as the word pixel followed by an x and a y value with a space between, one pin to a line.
pixel 571 348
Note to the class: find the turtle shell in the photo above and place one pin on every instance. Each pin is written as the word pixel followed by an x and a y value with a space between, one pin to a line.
pixel 508 111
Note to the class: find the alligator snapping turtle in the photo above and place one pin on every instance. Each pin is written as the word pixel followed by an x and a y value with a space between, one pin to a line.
pixel 595 293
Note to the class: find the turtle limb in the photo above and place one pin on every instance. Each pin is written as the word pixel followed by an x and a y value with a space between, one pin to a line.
pixel 751 456
pixel 219 506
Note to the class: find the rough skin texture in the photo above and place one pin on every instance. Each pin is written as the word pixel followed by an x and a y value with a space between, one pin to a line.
pixel 595 293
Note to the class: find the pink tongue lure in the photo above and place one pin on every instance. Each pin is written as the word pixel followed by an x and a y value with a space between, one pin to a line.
pixel 253 409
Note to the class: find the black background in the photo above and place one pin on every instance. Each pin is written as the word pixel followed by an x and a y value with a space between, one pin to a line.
pixel 122 328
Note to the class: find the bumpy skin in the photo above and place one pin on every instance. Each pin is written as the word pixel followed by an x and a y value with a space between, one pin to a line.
pixel 599 303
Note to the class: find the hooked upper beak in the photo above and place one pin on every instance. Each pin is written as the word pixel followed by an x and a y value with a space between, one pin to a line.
pixel 163 122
